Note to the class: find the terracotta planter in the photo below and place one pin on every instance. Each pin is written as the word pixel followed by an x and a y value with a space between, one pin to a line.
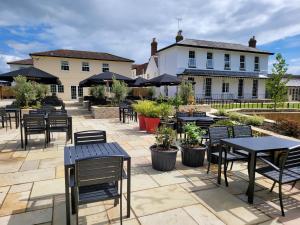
pixel 151 124
pixel 163 160
pixel 142 122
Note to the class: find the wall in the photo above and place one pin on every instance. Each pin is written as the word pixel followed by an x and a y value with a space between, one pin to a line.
pixel 74 75
pixel 152 69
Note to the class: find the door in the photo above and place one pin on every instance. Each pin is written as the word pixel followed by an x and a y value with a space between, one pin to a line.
pixel 73 92
pixel 241 88
pixel 207 87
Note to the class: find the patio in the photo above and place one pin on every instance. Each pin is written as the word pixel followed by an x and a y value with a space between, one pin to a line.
pixel 32 186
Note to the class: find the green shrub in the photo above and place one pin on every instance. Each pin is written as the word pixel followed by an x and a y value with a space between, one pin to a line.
pixel 185 91
pixel 120 90
pixel 288 127
pixel 166 110
pixel 142 107
pixel 176 101
pixel 193 135
pixel 235 116
pixel 165 137
pixel 221 112
pixel 151 92
pixel 41 90
pixel 253 120
pixel 25 91
pixel 227 123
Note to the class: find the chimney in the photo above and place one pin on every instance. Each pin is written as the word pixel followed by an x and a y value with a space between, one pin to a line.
pixel 252 42
pixel 153 47
pixel 179 36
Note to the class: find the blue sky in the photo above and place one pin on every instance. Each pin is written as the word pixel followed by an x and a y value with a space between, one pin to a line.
pixel 126 28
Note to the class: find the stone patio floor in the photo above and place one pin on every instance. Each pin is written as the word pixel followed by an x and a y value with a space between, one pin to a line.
pixel 32 186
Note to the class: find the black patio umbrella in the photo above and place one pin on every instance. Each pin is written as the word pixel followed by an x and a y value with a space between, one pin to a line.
pixel 103 78
pixel 31 73
pixel 163 80
pixel 139 82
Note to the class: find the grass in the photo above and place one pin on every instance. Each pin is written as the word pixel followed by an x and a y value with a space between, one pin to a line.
pixel 235 105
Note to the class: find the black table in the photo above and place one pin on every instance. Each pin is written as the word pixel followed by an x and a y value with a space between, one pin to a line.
pixel 254 145
pixel 72 153
pixel 195 118
pixel 17 112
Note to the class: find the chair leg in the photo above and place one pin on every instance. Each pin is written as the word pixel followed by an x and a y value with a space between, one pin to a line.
pixel 231 165
pixel 73 201
pixel 273 186
pixel 280 199
pixel 293 185
pixel 208 165
pixel 225 173
pixel 121 214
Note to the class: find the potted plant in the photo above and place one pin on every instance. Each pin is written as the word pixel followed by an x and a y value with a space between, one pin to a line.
pixel 164 152
pixel 141 108
pixel 166 110
pixel 192 151
pixel 152 119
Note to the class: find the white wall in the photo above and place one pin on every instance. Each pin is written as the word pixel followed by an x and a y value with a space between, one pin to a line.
pixel 152 69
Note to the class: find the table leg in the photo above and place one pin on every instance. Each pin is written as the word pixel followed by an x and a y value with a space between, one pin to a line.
pixel 120 116
pixel 220 164
pixel 22 142
pixel 251 186
pixel 67 196
pixel 128 186
pixel 123 114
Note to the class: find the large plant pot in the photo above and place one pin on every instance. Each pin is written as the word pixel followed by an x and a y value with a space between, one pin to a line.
pixel 151 124
pixel 142 122
pixel 193 157
pixel 163 160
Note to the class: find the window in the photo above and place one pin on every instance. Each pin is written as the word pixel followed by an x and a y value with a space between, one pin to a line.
pixel 105 67
pixel 226 62
pixel 85 66
pixel 242 62
pixel 192 59
pixel 73 92
pixel 209 61
pixel 53 88
pixel 208 87
pixel 254 88
pixel 80 91
pixel 60 88
pixel 64 65
pixel 225 87
pixel 256 63
pixel 241 88
pixel 192 80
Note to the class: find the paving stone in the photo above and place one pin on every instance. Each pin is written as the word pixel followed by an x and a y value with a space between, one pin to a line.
pixel 30 165
pixel 42 189
pixel 202 215
pixel 28 218
pixel 172 217
pixel 33 155
pixel 43 203
pixel 20 188
pixel 26 176
pixel 59 172
pixel 10 165
pixel 160 199
pixel 49 163
pixel 3 192
pixel 229 208
pixel 192 186
pixel 128 222
pixel 59 210
pixel 14 203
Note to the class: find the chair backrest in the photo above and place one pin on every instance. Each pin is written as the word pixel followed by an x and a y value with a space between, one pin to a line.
pixel 289 159
pixel 37 112
pixel 35 121
pixel 90 137
pixel 204 124
pixel 48 108
pixel 217 133
pixel 57 120
pixel 99 170
pixel 58 111
pixel 242 131
pixel 2 111
pixel 199 114
pixel 184 114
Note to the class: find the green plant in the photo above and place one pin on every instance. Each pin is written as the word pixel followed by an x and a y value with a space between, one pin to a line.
pixel 97 92
pixel 227 123
pixel 25 91
pixel 288 127
pixel 142 107
pixel 221 112
pixel 160 98
pixel 254 120
pixel 186 91
pixel 166 110
pixel 153 112
pixel 120 90
pixel 235 116
pixel 276 85
pixel 151 92
pixel 193 135
pixel 41 90
pixel 176 101
pixel 165 137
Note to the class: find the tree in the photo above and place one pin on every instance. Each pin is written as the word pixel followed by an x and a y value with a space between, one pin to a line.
pixel 276 85
pixel 24 90
pixel 120 91
pixel 186 91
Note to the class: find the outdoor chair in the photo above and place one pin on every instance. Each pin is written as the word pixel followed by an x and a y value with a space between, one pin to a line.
pixel 5 118
pixel 183 114
pixel 215 135
pixel 98 179
pixel 287 171
pixel 37 112
pixel 57 123
pixel 204 125
pixel 199 114
pixel 90 137
pixel 130 114
pixel 13 115
pixel 34 124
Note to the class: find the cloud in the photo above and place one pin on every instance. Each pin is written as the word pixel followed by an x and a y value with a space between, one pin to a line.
pixel 3 62
pixel 126 27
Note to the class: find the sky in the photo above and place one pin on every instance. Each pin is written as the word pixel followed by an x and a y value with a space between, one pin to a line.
pixel 126 27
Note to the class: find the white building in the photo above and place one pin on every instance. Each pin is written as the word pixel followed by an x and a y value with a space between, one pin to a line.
pixel 219 70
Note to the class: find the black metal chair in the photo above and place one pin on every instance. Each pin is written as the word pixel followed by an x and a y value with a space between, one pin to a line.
pixel 98 179
pixel 215 135
pixel 90 137
pixel 130 114
pixel 34 124
pixel 37 112
pixel 204 125
pixel 57 123
pixel 5 118
pixel 15 114
pixel 287 171
pixel 184 114
pixel 199 114
pixel 48 108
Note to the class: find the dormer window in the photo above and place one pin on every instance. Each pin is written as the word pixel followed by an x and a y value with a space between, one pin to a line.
pixel 105 67
pixel 209 61
pixel 256 63
pixel 192 59
pixel 85 66
pixel 64 65
pixel 242 62
pixel 226 62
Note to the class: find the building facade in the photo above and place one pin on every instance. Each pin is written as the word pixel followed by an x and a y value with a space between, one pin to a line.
pixel 218 70
pixel 72 66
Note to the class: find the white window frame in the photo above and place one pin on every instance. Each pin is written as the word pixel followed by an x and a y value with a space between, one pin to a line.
pixel 209 62
pixel 64 65
pixel 227 63
pixel 60 88
pixel 53 88
pixel 85 66
pixel 192 60
pixel 243 63
pixel 105 67
pixel 256 64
